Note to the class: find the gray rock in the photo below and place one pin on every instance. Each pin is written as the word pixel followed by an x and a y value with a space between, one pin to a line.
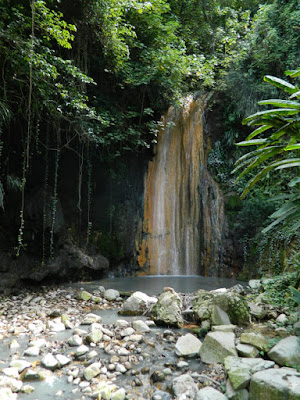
pixel 282 319
pixel 56 325
pixel 120 394
pixel 127 332
pixel 62 360
pixel 136 338
pixel 14 344
pixel 209 393
pixel 75 340
pixel 219 317
pixel 7 394
pixel 182 364
pixel 121 323
pixel 20 365
pixel 160 395
pixel 140 326
pixel 32 351
pixel 95 336
pixel 92 371
pixel 91 318
pixel 12 383
pixel 287 352
pixel 223 328
pixel 239 370
pixel 38 343
pixel 84 295
pixel 247 350
pixel 234 304
pixel 137 304
pixel 275 384
pixel 168 309
pixel 257 311
pixel 256 339
pixel 184 385
pixel 34 375
pixel 232 394
pixel 188 346
pixel 111 294
pixel 12 372
pixel 49 362
pixel 217 346
pixel 81 350
pixel 254 284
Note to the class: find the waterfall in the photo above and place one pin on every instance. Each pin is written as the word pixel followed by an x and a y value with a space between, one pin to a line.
pixel 182 227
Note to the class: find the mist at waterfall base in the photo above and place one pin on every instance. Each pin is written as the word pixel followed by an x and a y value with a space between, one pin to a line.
pixel 182 228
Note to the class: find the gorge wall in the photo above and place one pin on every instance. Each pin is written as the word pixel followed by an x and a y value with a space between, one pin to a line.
pixel 182 230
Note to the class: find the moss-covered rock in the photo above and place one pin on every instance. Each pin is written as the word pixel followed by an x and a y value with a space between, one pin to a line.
pixel 167 310
pixel 234 304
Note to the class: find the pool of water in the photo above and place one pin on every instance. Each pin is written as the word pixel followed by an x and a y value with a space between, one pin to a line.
pixel 154 284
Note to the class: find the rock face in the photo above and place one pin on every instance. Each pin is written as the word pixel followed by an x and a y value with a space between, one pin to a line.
pixel 69 263
pixel 230 302
pixel 188 346
pixel 137 304
pixel 167 310
pixel 217 346
pixel 287 352
pixel 275 384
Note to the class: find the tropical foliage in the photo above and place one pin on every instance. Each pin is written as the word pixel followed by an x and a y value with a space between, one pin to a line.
pixel 277 150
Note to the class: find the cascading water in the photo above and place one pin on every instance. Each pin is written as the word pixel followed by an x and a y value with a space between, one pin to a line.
pixel 182 227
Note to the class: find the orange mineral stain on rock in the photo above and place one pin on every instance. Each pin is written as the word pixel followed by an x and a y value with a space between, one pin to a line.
pixel 182 226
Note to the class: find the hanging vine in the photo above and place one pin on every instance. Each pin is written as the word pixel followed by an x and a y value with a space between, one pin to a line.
pixel 45 205
pixel 89 194
pixel 81 160
pixel 54 198
pixel 26 152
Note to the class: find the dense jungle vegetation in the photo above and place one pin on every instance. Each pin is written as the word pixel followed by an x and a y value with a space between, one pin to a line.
pixel 93 77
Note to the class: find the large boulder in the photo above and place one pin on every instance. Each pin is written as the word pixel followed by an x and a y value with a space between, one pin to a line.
pixel 137 304
pixel 217 346
pixel 168 309
pixel 188 346
pixel 275 384
pixel 287 352
pixel 240 370
pixel 255 339
pixel 230 302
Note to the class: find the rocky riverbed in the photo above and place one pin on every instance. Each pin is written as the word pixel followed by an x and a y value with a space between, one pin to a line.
pixel 61 342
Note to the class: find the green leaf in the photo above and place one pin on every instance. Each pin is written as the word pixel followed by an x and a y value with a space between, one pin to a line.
pixel 285 209
pixel 258 131
pixel 276 222
pixel 280 83
pixel 294 181
pixel 293 73
pixel 275 112
pixel 297 94
pixel 252 142
pixel 295 146
pixel 290 165
pixel 281 103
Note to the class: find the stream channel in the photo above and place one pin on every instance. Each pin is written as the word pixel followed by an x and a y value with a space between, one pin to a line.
pixel 156 352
